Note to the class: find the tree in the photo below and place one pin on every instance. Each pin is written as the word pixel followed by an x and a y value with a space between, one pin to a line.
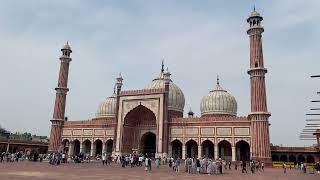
pixel 3 131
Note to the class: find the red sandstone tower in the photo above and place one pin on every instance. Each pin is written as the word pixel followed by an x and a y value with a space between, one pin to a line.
pixel 260 148
pixel 60 103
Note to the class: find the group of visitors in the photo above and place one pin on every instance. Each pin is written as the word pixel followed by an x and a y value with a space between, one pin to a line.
pixel 254 166
pixel 136 160
pixel 212 167
pixel 20 156
pixel 106 158
pixel 302 166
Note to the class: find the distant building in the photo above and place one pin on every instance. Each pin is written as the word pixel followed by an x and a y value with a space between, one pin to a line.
pixel 19 142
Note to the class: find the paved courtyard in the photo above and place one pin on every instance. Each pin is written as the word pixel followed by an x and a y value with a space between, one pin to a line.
pixel 36 170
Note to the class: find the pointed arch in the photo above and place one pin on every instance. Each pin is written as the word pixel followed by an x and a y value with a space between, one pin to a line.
pixel 192 148
pixel 242 151
pixel 176 148
pixel 284 158
pixel 275 157
pixel 98 147
pixel 76 146
pixel 138 118
pixel 292 158
pixel 225 150
pixel 109 146
pixel 301 158
pixel 86 144
pixel 207 149
pixel 310 159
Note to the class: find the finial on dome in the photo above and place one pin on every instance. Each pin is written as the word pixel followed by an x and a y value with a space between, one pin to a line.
pixel 190 113
pixel 119 78
pixel 218 83
pixel 162 65
pixel 254 13
pixel 66 46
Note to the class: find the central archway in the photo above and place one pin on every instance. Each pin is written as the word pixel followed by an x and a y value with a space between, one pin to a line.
pixel 138 120
pixel 148 144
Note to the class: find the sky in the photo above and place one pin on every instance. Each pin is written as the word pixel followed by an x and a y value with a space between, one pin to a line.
pixel 198 40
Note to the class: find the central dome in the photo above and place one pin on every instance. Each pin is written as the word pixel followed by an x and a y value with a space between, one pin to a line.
pixel 176 97
pixel 218 102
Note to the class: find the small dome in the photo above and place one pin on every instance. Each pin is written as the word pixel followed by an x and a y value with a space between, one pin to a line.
pixel 66 46
pixel 254 13
pixel 190 113
pixel 176 97
pixel 107 108
pixel 218 102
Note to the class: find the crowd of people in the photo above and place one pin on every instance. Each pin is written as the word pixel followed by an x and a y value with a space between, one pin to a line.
pixel 302 167
pixel 20 156
pixel 191 165
pixel 213 167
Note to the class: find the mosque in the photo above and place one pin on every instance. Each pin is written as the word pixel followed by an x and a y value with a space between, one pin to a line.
pixel 150 120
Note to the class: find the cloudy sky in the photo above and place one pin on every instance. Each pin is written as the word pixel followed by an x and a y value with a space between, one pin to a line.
pixel 197 39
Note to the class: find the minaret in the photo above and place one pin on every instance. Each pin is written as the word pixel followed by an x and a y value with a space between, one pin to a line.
pixel 60 103
pixel 260 142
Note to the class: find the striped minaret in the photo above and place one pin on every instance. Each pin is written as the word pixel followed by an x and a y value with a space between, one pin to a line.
pixel 260 141
pixel 60 103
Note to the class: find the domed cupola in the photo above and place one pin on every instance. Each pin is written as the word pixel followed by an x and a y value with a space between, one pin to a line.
pixel 107 108
pixel 218 102
pixel 176 98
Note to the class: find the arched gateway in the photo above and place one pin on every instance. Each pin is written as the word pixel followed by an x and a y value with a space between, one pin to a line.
pixel 148 144
pixel 139 131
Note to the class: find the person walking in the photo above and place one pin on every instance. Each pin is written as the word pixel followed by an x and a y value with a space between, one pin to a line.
pixel 189 165
pixel 146 164
pixel 170 163
pixel 157 162
pixel 284 166
pixel 252 166
pixel 177 165
pixel 198 166
pixel 317 167
pixel 131 161
pixel 236 165
pixel 244 167
pixel 104 158
pixel 149 163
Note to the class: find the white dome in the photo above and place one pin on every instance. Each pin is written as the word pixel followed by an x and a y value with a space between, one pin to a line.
pixel 66 46
pixel 176 97
pixel 107 108
pixel 218 102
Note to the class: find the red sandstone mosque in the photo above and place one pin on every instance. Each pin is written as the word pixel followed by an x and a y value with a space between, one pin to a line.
pixel 150 120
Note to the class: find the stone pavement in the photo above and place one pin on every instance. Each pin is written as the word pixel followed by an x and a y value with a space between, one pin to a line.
pixel 37 170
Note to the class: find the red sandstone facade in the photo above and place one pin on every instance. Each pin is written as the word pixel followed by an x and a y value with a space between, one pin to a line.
pixel 151 121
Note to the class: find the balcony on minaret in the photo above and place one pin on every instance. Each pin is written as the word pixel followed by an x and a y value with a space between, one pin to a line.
pixel 254 21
